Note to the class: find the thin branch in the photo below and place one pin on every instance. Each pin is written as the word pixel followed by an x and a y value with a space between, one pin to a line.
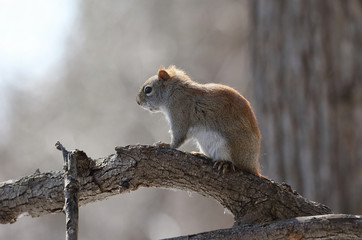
pixel 71 192
pixel 250 198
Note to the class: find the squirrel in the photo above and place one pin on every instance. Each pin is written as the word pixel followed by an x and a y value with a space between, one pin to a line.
pixel 218 117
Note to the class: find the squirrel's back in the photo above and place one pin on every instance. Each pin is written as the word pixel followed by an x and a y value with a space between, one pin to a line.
pixel 222 109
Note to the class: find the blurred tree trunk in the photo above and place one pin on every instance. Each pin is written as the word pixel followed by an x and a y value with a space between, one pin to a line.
pixel 307 72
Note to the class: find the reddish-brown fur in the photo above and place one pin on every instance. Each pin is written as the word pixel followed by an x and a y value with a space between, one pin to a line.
pixel 206 111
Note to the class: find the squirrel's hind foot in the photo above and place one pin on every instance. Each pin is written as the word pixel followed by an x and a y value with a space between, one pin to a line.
pixel 224 166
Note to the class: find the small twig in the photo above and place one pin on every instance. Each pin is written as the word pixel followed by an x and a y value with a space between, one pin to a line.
pixel 60 147
pixel 71 192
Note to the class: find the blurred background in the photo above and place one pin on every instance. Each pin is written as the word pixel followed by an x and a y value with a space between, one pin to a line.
pixel 70 71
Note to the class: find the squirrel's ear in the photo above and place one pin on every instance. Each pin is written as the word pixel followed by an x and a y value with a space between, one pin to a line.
pixel 163 74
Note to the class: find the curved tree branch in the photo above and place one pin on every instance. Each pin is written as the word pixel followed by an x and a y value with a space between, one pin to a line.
pixel 338 226
pixel 250 198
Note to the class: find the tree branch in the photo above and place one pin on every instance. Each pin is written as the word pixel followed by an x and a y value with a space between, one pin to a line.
pixel 71 192
pixel 250 198
pixel 339 226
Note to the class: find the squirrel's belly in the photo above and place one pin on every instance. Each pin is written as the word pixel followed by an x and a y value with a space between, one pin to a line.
pixel 211 143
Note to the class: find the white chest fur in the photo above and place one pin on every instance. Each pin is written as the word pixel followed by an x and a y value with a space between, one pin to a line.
pixel 165 113
pixel 210 143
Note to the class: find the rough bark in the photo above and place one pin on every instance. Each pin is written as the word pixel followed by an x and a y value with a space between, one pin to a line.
pixel 316 227
pixel 251 199
pixel 307 77
pixel 71 192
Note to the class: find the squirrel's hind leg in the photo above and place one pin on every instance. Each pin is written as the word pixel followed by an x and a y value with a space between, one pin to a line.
pixel 224 166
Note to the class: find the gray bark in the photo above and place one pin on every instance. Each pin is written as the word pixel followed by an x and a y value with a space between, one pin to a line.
pixel 71 192
pixel 251 199
pixel 316 227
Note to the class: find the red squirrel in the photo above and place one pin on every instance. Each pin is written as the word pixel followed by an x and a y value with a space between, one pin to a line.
pixel 218 117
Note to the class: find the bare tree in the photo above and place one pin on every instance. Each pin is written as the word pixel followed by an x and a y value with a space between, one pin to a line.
pixel 251 199
pixel 307 76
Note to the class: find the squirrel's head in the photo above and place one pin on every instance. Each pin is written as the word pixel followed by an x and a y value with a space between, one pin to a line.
pixel 152 94
pixel 155 92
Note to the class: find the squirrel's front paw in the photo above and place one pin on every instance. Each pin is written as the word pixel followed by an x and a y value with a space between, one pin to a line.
pixel 224 165
pixel 161 144
pixel 199 154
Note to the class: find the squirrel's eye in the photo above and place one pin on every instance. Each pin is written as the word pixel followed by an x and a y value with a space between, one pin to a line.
pixel 148 90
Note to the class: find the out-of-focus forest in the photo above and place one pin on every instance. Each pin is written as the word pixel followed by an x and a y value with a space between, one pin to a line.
pixel 88 102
